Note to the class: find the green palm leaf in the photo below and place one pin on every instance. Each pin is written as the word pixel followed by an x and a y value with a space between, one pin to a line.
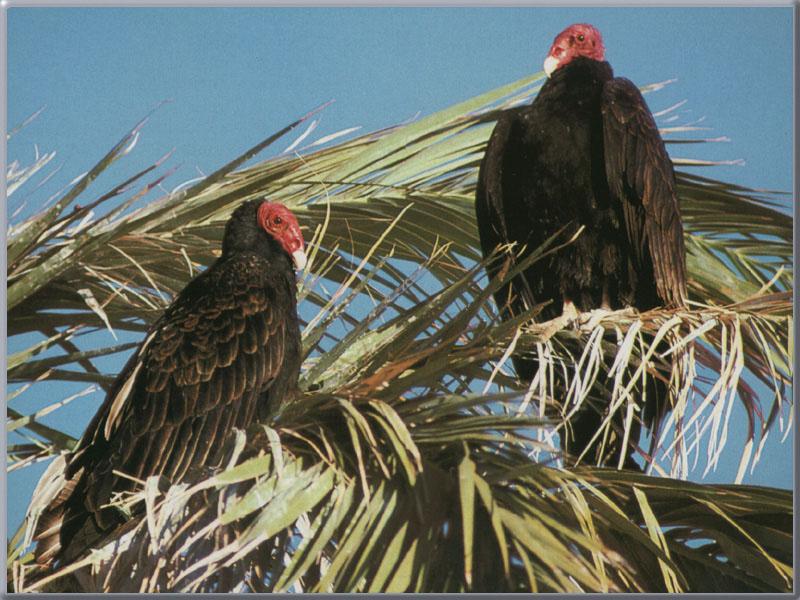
pixel 412 439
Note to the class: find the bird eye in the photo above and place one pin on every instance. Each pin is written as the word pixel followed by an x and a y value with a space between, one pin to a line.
pixel 277 221
pixel 581 37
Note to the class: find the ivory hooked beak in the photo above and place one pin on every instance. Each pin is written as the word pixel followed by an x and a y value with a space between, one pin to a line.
pixel 550 65
pixel 299 258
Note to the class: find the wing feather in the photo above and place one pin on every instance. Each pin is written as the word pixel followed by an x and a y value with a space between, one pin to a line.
pixel 208 436
pixel 207 363
pixel 640 175
pixel 489 209
pixel 492 199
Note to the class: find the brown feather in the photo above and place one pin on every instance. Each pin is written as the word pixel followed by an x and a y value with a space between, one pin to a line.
pixel 219 355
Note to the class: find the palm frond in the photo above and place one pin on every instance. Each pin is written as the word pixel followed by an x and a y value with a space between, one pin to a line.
pixel 413 439
pixel 298 510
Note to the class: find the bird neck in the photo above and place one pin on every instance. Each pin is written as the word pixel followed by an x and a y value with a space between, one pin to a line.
pixel 581 77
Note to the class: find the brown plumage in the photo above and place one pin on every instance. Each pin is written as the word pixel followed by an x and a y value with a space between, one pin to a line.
pixel 226 352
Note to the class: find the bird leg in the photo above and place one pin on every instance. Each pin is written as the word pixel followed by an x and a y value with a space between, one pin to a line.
pixel 605 304
pixel 569 313
pixel 588 321
pixel 567 318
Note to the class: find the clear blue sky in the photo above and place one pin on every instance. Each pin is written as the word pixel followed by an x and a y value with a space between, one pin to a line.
pixel 236 75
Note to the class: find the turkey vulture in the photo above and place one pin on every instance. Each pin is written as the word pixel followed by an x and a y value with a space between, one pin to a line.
pixel 225 353
pixel 585 153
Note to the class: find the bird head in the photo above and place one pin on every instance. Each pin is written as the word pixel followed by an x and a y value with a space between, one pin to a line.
pixel 279 222
pixel 580 39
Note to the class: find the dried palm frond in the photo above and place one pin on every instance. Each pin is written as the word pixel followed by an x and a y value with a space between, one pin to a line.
pixel 413 440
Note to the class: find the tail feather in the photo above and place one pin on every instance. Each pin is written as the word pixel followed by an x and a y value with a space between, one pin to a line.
pixel 57 513
pixel 659 401
pixel 585 423
pixel 53 493
pixel 49 543
pixel 45 513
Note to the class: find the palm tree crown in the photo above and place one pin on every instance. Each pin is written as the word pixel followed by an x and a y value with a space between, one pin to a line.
pixel 414 460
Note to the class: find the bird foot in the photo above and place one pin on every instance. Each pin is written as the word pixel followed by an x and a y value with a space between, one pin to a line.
pixel 567 318
pixel 569 314
pixel 588 321
pixel 628 312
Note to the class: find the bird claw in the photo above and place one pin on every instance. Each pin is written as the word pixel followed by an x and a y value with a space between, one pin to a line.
pixel 569 315
pixel 588 321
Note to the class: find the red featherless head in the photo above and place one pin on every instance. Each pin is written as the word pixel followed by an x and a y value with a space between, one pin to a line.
pixel 580 39
pixel 281 224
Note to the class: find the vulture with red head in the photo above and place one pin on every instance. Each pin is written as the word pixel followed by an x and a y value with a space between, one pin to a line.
pixel 586 153
pixel 225 353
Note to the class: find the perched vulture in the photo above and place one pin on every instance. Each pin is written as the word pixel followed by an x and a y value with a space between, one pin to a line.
pixel 585 153
pixel 225 352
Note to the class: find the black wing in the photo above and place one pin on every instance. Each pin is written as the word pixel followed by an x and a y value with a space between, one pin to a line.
pixel 204 368
pixel 640 175
pixel 491 207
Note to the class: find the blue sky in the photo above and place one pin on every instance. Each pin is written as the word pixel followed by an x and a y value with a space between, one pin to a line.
pixel 235 75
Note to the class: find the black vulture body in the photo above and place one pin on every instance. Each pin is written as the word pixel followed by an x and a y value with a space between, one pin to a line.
pixel 585 154
pixel 225 352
